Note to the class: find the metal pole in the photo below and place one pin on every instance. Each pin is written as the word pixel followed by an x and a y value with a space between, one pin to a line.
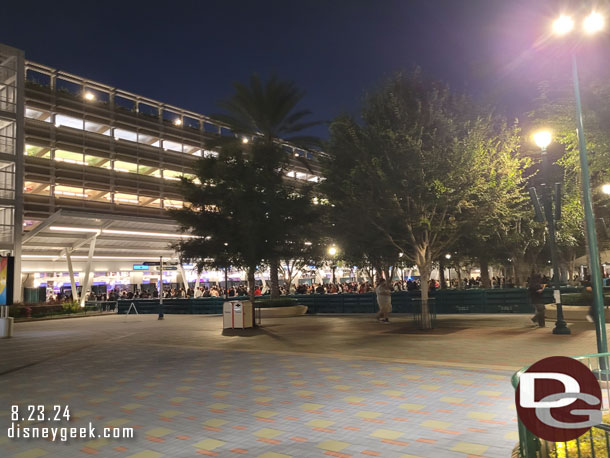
pixel 160 288
pixel 547 198
pixel 226 282
pixel 596 279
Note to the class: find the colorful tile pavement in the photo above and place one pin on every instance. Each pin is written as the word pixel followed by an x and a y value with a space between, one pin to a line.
pixel 190 402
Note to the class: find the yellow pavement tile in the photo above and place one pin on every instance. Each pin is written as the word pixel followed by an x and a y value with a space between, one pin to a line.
pixel 221 394
pixel 263 399
pixel 430 387
pixel 481 416
pixel 209 444
pixel 365 373
pixel 343 387
pixel 325 369
pixel 368 414
pixel 406 455
pixel 435 424
pixel 146 454
pixel 397 368
pixel 32 453
pixel 304 393
pixel 268 433
pixel 333 446
pixel 223 383
pixel 412 377
pixel 98 400
pixel 111 389
pixel 257 371
pixel 259 378
pixel 85 413
pixel 496 377
pixel 219 406
pixel 393 393
pixel 408 406
pixel 354 399
pixel 261 387
pixel 452 399
pixel 513 435
pixel 96 443
pixel 469 448
pixel 215 422
pixel 461 381
pixel 311 406
pixel 184 389
pixel 189 379
pixel 320 423
pixel 273 455
pixel 265 413
pixel 132 406
pixel 293 374
pixel 225 374
pixel 117 422
pixel 378 382
pixel 170 413
pixel 490 393
pixel 178 399
pixel 443 372
pixel 387 434
pixel 159 432
pixel 143 394
pixel 298 382
pixel 333 377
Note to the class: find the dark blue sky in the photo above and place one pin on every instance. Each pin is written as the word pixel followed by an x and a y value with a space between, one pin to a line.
pixel 187 53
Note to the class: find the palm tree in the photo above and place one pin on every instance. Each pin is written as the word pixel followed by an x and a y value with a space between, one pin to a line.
pixel 266 112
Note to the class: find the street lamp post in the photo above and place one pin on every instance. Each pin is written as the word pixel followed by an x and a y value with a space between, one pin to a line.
pixel 592 24
pixel 332 251
pixel 543 139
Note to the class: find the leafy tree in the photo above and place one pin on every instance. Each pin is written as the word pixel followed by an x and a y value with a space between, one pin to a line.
pixel 267 113
pixel 425 159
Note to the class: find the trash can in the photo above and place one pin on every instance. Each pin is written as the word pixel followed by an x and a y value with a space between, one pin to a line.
pixel 237 314
pixel 6 323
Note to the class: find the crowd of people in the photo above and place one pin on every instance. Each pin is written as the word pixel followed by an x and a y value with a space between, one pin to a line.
pixel 349 287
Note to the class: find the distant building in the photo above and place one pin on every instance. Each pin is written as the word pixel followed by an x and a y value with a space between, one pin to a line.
pixel 87 171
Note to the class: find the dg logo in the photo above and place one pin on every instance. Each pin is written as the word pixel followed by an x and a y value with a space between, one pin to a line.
pixel 559 399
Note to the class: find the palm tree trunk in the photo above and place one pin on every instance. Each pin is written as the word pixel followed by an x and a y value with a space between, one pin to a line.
pixel 273 277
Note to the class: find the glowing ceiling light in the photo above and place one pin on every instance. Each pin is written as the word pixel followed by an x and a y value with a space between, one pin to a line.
pixel 244 140
pixel 89 96
pixel 177 122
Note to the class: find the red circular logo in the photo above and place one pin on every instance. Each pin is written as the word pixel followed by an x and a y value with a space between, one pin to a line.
pixel 558 399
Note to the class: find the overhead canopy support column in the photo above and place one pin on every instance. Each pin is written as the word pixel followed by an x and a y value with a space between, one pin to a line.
pixel 71 272
pixel 87 280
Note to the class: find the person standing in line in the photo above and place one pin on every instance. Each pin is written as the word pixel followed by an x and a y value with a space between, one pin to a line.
pixel 536 287
pixel 384 300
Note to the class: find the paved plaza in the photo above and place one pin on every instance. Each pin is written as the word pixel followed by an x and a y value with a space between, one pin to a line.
pixel 341 386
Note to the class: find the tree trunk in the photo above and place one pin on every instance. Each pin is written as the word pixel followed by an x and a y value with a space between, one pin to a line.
pixel 251 288
pixel 441 274
pixel 484 263
pixel 458 271
pixel 425 269
pixel 273 277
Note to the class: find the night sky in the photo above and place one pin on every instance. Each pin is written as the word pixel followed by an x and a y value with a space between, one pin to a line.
pixel 188 53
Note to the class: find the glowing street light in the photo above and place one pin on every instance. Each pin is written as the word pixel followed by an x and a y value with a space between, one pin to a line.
pixel 177 122
pixel 543 138
pixel 606 188
pixel 332 251
pixel 89 96
pixel 244 140
pixel 448 256
pixel 593 23
pixel 563 25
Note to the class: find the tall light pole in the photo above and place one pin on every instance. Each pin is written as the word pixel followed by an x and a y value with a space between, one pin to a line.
pixel 591 25
pixel 543 140
pixel 332 251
